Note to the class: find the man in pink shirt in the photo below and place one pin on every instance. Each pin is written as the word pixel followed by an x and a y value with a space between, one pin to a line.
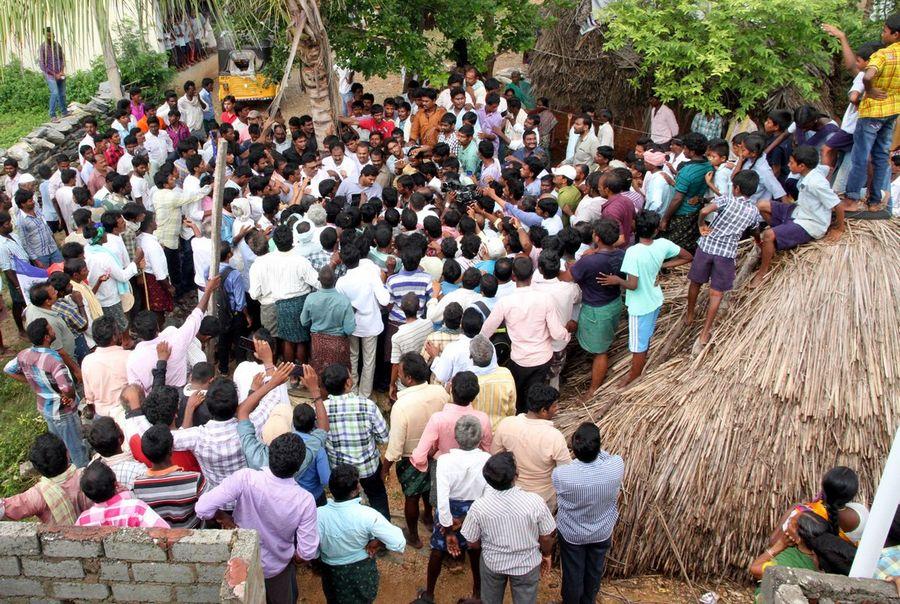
pixel 663 125
pixel 532 324
pixel 143 357
pixel 112 508
pixel 439 435
pixel 104 371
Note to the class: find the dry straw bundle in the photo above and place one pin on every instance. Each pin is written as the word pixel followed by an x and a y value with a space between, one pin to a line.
pixel 802 374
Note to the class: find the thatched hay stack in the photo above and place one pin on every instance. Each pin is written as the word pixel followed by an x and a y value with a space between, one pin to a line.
pixel 803 374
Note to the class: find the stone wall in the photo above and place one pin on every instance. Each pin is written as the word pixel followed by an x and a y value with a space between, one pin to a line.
pixel 41 145
pixel 128 565
pixel 783 585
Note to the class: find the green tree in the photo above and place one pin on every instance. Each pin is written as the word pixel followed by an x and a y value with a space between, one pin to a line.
pixel 719 56
pixel 376 37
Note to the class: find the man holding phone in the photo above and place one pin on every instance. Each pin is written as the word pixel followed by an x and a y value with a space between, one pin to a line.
pixel 53 65
pixel 365 185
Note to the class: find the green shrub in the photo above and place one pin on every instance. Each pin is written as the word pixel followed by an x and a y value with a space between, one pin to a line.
pixel 22 89
pixel 138 66
pixel 82 85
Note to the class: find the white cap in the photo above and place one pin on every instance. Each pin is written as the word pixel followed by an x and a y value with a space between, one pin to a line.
pixel 24 179
pixel 567 171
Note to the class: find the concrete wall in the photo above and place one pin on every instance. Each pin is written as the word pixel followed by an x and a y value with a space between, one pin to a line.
pixel 128 565
pixel 783 585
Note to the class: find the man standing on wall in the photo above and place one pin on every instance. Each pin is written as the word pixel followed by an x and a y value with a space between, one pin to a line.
pixel 53 65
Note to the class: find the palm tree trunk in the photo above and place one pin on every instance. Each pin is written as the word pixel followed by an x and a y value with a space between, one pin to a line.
pixel 109 53
pixel 316 70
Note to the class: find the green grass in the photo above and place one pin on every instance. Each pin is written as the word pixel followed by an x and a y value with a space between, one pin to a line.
pixel 19 425
pixel 14 126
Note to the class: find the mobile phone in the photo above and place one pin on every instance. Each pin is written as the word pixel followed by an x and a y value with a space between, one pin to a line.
pixel 297 371
pixel 354 198
pixel 247 344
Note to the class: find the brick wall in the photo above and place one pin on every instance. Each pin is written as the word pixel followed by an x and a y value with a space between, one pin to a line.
pixel 128 565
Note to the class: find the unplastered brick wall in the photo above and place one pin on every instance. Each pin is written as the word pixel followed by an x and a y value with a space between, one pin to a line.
pixel 40 563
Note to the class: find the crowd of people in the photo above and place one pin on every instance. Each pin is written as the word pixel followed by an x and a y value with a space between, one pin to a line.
pixel 431 249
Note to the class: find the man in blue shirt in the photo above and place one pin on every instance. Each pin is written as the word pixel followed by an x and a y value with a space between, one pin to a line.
pixel 586 492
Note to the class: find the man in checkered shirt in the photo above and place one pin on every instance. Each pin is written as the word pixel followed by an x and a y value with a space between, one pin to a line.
pixel 717 246
pixel 356 428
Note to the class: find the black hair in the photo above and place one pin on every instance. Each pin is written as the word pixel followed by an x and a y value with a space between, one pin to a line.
pixel 210 326
pixel 415 367
pixel 486 149
pixel 105 436
pixel 39 293
pixel 522 268
pixel 283 238
pixel 893 23
pixel 304 419
pixel 472 321
pixel 607 230
pixel 98 482
pixel 586 442
pixel 104 330
pixel 453 315
pixel 747 181
pixel 499 471
pixel 156 443
pixel 540 397
pixel 489 285
pixel 221 399
pixel 503 269
pixel 865 50
pixel 753 142
pixel 451 271
pixel 834 555
pixel 202 372
pixel 411 257
pixel 646 223
pixel 161 405
pixel 782 118
pixel 145 325
pixel 548 264
pixel 839 486
pixel 465 387
pixel 343 481
pixel 471 278
pixel 48 455
pixel 334 378
pixel 719 146
pixel 806 155
pixel 409 304
pixel 286 453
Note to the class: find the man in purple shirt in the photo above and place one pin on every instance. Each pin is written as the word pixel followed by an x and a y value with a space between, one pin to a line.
pixel 490 120
pixel 53 64
pixel 618 206
pixel 282 512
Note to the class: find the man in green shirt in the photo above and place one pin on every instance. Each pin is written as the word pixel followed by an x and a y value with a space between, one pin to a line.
pixel 467 153
pixel 328 315
pixel 567 194
pixel 680 220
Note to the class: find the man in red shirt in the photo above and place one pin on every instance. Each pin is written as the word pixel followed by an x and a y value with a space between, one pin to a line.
pixel 376 123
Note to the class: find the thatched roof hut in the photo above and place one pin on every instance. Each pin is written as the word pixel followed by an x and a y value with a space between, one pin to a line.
pixel 802 374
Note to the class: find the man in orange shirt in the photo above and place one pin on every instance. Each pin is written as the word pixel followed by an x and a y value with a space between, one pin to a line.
pixel 150 114
pixel 427 121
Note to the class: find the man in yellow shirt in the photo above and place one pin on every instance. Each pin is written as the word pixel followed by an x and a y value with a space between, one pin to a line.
pixel 877 115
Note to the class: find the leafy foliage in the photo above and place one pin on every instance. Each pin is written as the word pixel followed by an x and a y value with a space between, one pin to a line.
pixel 376 37
pixel 19 425
pixel 718 56
pixel 141 67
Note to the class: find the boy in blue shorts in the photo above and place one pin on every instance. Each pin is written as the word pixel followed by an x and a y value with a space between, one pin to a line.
pixel 643 296
pixel 717 246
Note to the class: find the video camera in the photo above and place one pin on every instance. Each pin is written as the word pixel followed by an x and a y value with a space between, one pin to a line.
pixel 465 194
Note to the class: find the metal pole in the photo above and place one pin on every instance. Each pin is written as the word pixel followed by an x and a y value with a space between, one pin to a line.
pixel 218 197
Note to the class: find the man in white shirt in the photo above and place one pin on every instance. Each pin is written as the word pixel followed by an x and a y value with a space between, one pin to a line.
pixel 158 145
pixel 605 134
pixel 338 165
pixel 464 296
pixel 104 268
pixel 90 131
pixel 140 184
pixel 191 108
pixel 64 198
pixel 362 284
pixel 567 297
pixel 590 206
pixel 585 145
pixel 170 104
pixel 663 125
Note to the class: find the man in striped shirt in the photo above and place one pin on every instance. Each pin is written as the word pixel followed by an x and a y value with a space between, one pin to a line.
pixel 587 490
pixel 409 337
pixel 165 487
pixel 514 530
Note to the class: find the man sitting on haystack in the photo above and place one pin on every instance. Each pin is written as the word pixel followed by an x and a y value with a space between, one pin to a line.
pixel 792 225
